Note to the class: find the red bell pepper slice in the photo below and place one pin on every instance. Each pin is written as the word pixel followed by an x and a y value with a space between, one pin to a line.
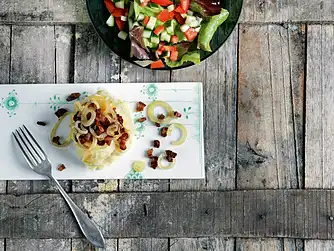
pixel 173 56
pixel 157 64
pixel 163 16
pixel 185 5
pixel 174 39
pixel 118 12
pixel 158 30
pixel 180 10
pixel 146 20
pixel 191 34
pixel 179 18
pixel 162 2
pixel 110 6
pixel 119 23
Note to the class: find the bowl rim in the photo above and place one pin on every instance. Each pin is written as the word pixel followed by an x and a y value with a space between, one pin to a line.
pixel 166 69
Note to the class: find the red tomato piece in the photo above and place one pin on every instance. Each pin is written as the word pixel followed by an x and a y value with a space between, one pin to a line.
pixel 157 64
pixel 191 34
pixel 179 18
pixel 180 10
pixel 158 30
pixel 169 48
pixel 146 20
pixel 118 12
pixel 163 16
pixel 162 2
pixel 173 56
pixel 119 23
pixel 185 5
pixel 174 39
pixel 110 6
pixel 171 15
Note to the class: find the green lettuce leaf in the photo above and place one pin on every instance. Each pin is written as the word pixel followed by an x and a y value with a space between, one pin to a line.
pixel 191 56
pixel 150 10
pixel 209 28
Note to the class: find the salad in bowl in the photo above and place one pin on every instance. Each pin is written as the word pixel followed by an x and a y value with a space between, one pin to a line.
pixel 165 33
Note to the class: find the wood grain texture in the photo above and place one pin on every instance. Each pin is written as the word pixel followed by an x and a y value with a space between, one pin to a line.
pixel 140 244
pixel 319 245
pixel 287 11
pixel 38 245
pixel 83 245
pixel 5 32
pixel 135 74
pixel 44 11
pixel 2 245
pixel 94 62
pixel 319 157
pixel 64 39
pixel 269 244
pixel 266 126
pixel 201 244
pixel 249 213
pixel 220 85
pixel 33 60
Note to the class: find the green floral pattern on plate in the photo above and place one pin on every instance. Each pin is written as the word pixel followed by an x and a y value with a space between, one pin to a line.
pixel 10 103
pixel 140 127
pixel 151 90
pixel 56 101
pixel 133 175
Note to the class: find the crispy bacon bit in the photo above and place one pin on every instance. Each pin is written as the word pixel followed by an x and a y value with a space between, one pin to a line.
pixel 170 155
pixel 141 120
pixel 124 136
pixel 88 137
pixel 140 106
pixel 157 124
pixel 100 129
pixel 76 117
pixel 101 142
pixel 73 96
pixel 89 115
pixel 122 147
pixel 163 131
pixel 120 119
pixel 156 143
pixel 177 114
pixel 161 116
pixel 41 123
pixel 61 167
pixel 56 140
pixel 154 162
pixel 60 112
pixel 150 153
pixel 108 140
pixel 98 112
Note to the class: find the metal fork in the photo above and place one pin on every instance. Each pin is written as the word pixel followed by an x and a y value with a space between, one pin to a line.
pixel 39 162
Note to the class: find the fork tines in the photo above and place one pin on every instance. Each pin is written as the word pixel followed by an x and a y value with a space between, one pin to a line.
pixel 31 150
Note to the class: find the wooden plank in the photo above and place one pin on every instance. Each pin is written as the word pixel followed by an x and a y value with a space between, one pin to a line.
pixel 34 64
pixel 199 244
pixel 2 245
pixel 94 62
pixel 44 11
pixel 319 140
pixel 266 127
pixel 287 11
pixel 319 245
pixel 64 37
pixel 162 215
pixel 38 244
pixel 220 86
pixel 5 32
pixel 133 73
pixel 140 244
pixel 269 244
pixel 83 245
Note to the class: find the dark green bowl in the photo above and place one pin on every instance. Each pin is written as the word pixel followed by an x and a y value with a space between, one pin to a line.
pixel 99 14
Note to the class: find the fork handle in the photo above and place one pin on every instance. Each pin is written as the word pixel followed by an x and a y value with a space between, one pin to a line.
pixel 87 226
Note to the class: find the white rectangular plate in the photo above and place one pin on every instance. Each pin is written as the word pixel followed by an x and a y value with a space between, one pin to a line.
pixel 27 104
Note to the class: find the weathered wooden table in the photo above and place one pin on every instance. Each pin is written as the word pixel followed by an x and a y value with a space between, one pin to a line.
pixel 269 96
